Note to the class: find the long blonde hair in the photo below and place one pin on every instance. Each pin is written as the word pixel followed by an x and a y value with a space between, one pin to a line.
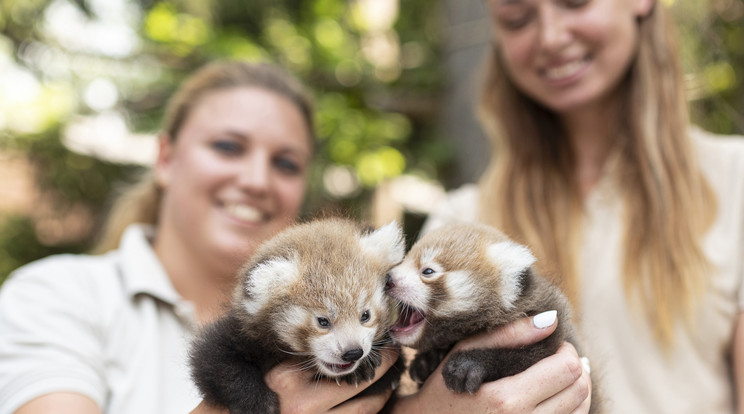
pixel 530 191
pixel 140 202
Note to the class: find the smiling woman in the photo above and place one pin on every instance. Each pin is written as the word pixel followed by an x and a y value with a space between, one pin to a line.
pixel 633 211
pixel 229 180
pixel 110 333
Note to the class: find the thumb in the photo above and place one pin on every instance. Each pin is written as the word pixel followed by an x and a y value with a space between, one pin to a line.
pixel 523 331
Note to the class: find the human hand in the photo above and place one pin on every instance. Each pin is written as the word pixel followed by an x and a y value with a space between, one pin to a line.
pixel 300 392
pixel 556 384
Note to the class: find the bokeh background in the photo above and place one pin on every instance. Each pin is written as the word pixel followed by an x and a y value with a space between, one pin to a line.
pixel 83 85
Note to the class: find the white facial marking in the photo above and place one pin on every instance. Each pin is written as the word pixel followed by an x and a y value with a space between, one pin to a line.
pixel 386 243
pixel 409 287
pixel 344 336
pixel 464 293
pixel 429 254
pixel 293 318
pixel 266 278
pixel 512 259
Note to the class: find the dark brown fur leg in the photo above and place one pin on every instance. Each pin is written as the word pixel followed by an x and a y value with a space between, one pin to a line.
pixel 425 363
pixel 465 371
pixel 226 373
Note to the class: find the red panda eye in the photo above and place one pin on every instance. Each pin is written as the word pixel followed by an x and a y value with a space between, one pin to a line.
pixel 324 322
pixel 365 316
pixel 427 271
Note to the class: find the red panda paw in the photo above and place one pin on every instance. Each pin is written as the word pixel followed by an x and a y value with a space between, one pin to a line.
pixel 462 374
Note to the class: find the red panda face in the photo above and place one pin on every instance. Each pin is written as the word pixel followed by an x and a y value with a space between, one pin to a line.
pixel 341 341
pixel 429 287
pixel 449 273
pixel 335 333
pixel 320 290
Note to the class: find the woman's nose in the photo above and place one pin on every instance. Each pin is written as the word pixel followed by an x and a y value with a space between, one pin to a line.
pixel 554 28
pixel 255 174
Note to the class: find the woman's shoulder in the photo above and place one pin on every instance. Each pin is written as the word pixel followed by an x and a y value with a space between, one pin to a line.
pixel 104 271
pixel 69 275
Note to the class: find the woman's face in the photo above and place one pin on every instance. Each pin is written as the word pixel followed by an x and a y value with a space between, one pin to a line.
pixel 567 54
pixel 235 175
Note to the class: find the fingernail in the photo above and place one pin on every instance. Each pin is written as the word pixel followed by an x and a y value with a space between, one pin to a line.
pixel 586 365
pixel 545 319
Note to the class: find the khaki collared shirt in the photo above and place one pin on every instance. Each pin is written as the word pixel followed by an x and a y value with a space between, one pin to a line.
pixel 110 327
pixel 635 375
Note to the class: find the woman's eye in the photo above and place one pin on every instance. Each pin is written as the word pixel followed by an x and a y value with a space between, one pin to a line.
pixel 324 322
pixel 514 21
pixel 227 147
pixel 575 4
pixel 365 316
pixel 287 166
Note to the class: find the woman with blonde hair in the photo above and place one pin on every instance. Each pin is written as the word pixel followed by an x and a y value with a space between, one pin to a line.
pixel 636 214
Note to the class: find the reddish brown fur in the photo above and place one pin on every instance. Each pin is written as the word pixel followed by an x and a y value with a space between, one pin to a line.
pixel 322 268
pixel 462 247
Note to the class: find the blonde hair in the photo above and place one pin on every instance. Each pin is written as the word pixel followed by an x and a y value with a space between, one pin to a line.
pixel 140 202
pixel 529 189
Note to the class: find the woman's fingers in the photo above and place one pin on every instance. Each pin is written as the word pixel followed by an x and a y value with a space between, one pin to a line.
pixel 556 376
pixel 300 392
pixel 574 399
pixel 556 384
pixel 521 332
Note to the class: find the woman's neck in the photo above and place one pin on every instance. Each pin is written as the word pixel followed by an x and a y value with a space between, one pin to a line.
pixel 205 285
pixel 590 134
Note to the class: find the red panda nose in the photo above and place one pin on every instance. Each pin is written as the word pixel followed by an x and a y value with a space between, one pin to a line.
pixel 389 284
pixel 352 355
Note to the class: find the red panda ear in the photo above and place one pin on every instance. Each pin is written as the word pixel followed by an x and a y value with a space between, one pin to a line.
pixel 262 280
pixel 385 243
pixel 512 260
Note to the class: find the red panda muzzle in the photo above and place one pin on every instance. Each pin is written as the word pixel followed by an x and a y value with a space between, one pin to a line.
pixel 410 317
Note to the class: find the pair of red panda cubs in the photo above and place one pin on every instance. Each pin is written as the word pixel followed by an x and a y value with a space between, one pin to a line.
pixel 329 294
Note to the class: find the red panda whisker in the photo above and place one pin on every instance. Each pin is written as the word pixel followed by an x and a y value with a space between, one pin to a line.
pixel 295 353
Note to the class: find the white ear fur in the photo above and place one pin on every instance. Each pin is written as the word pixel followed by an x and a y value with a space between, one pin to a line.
pixel 385 243
pixel 512 259
pixel 265 278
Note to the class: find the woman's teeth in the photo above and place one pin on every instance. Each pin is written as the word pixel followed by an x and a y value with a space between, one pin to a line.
pixel 565 70
pixel 244 212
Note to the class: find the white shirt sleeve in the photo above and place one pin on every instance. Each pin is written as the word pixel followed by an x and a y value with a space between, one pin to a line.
pixel 49 340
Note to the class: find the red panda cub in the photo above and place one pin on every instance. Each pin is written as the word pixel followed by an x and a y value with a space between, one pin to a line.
pixel 466 278
pixel 315 293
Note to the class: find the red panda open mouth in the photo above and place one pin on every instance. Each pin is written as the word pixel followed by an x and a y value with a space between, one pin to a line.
pixel 338 368
pixel 409 318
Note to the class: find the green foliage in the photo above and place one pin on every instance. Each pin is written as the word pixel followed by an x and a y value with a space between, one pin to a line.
pixel 712 39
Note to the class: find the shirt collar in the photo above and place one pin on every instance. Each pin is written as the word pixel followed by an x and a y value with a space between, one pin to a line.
pixel 141 268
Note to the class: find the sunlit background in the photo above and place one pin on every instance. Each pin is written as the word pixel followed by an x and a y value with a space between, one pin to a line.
pixel 83 84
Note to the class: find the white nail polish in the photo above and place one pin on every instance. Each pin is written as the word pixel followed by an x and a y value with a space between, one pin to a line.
pixel 545 319
pixel 586 365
